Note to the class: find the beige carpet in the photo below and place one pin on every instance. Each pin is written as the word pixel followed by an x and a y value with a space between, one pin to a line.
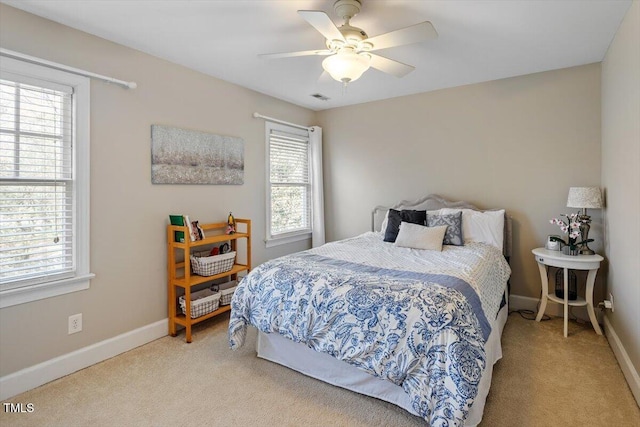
pixel 542 380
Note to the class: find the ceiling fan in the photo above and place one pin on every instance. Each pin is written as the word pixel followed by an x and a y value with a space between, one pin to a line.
pixel 349 48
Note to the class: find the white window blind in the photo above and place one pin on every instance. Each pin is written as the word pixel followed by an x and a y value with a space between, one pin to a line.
pixel 44 182
pixel 36 177
pixel 289 192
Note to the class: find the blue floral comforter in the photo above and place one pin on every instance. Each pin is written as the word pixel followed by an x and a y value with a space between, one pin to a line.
pixel 419 319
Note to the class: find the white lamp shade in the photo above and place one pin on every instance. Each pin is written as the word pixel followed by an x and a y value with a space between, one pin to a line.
pixel 584 197
pixel 346 66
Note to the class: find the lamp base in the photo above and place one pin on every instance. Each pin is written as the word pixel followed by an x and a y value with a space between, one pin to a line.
pixel 586 251
pixel 585 225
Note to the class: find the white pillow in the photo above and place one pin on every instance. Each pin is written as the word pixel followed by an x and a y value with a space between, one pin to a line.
pixel 483 227
pixel 418 236
pixel 383 227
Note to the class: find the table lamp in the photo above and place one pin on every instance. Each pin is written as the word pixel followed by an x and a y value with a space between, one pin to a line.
pixel 583 198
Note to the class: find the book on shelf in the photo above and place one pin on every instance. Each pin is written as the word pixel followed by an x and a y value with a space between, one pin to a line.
pixel 187 222
pixel 195 231
pixel 178 236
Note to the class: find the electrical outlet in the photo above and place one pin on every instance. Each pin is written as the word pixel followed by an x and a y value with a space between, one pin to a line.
pixel 611 299
pixel 75 323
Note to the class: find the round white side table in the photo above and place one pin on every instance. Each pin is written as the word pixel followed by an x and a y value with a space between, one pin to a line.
pixel 591 263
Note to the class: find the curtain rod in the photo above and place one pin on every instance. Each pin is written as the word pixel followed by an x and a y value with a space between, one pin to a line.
pixel 21 56
pixel 282 122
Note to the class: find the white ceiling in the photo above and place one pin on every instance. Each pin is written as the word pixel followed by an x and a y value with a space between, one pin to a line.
pixel 478 40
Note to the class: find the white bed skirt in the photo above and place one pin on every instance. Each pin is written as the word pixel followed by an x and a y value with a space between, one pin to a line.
pixel 321 366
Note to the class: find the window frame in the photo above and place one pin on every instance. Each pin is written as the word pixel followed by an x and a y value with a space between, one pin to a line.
pixel 29 291
pixel 271 239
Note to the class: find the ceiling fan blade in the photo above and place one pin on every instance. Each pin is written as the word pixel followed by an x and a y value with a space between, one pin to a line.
pixel 390 66
pixel 413 34
pixel 321 22
pixel 292 54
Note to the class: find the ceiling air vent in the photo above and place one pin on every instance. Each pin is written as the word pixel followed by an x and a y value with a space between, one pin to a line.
pixel 320 96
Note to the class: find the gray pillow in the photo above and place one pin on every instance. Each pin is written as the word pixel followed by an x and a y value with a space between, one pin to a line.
pixel 453 236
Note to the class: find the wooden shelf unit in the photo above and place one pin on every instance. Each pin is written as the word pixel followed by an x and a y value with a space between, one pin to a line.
pixel 179 273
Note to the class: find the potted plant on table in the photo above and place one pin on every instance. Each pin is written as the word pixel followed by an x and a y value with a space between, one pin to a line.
pixel 571 226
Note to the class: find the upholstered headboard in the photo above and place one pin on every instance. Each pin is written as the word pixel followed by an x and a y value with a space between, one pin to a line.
pixel 435 202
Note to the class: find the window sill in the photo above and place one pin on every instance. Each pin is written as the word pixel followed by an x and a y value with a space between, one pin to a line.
pixel 27 294
pixel 269 243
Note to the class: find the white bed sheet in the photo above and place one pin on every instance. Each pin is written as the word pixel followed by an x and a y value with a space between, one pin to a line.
pixel 462 262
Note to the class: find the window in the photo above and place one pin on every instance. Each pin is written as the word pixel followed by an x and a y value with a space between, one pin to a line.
pixel 288 184
pixel 44 182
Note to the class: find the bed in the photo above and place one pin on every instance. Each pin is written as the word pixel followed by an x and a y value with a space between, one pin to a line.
pixel 418 328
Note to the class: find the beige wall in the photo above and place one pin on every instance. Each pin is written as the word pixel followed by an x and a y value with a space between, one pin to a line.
pixel 128 213
pixel 621 179
pixel 517 143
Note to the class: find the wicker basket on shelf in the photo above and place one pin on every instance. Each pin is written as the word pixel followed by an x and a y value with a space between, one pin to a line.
pixel 227 294
pixel 202 302
pixel 212 265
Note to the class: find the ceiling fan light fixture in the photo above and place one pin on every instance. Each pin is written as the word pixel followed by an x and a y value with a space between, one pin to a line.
pixel 347 66
pixel 348 47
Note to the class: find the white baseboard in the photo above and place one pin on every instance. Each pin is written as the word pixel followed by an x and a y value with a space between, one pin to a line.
pixel 630 373
pixel 42 373
pixel 519 302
